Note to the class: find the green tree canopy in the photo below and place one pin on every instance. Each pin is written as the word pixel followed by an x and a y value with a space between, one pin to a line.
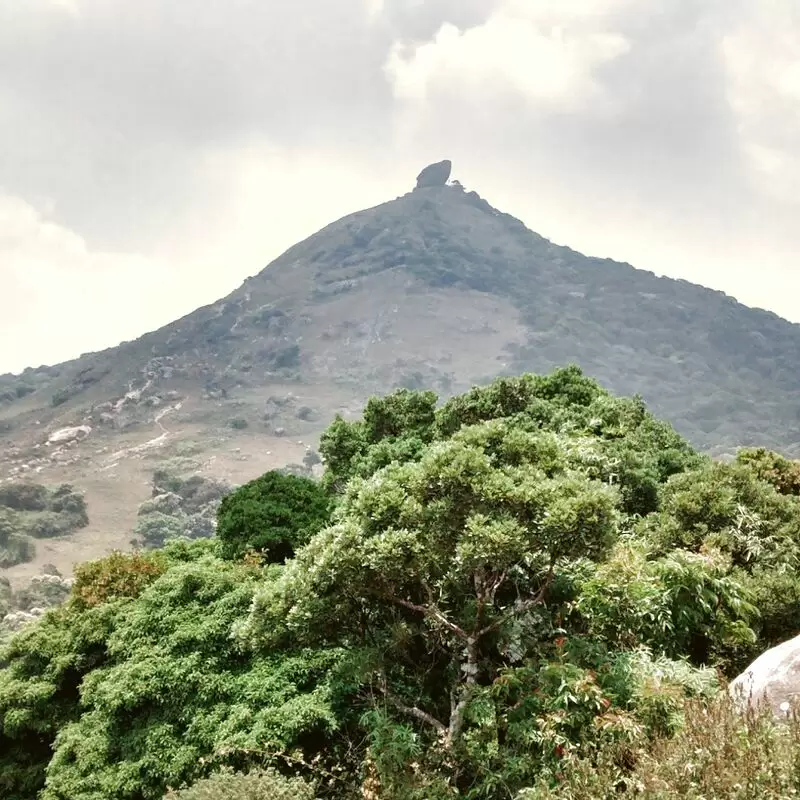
pixel 273 515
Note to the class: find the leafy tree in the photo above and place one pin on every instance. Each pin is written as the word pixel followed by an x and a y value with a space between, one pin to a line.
pixel 469 553
pixel 42 670
pixel 273 515
pixel 176 697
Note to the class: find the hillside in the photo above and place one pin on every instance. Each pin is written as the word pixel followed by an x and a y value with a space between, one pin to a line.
pixel 435 288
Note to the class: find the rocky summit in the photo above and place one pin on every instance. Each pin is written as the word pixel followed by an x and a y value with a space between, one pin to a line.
pixel 435 289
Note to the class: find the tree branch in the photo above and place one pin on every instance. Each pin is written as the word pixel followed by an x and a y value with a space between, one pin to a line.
pixel 520 608
pixel 428 611
pixel 412 711
pixel 470 668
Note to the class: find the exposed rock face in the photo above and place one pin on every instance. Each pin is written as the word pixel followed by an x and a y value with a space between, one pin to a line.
pixel 434 174
pixel 774 678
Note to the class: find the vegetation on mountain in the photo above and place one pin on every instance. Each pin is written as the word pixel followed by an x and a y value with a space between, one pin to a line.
pixel 344 307
pixel 180 506
pixel 30 511
pixel 534 589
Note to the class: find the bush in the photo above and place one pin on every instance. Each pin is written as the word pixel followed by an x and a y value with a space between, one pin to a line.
pixel 238 424
pixel 42 591
pixel 15 546
pixel 718 754
pixel 117 575
pixel 40 512
pixel 24 496
pixel 274 515
pixel 259 785
pixel 48 524
pixel 155 528
pixel 60 397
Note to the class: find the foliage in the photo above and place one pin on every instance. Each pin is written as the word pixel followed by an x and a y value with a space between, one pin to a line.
pixel 717 754
pixel 174 683
pixel 15 547
pixel 273 515
pixel 534 588
pixel 24 496
pixel 156 528
pixel 115 576
pixel 256 785
pixel 468 544
pixel 25 605
pixel 681 603
pixel 31 509
pixel 44 665
pixel 180 506
pixel 781 472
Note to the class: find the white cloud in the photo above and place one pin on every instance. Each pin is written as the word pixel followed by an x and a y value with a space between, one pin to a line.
pixel 184 145
pixel 761 54
pixel 544 52
pixel 60 298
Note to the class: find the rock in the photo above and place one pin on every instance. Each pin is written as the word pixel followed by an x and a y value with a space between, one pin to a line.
pixel 774 678
pixel 69 434
pixel 434 174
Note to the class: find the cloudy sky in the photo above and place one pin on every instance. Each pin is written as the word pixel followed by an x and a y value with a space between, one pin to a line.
pixel 155 153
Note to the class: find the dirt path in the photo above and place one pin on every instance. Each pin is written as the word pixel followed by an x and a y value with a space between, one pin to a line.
pixel 114 459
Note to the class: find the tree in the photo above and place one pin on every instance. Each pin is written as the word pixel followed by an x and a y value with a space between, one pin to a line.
pixel 459 548
pixel 463 572
pixel 175 697
pixel 274 515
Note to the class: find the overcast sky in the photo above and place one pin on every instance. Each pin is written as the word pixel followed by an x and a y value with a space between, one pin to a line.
pixel 155 153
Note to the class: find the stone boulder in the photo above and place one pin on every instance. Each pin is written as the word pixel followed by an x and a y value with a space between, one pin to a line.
pixel 434 174
pixel 773 678
pixel 69 434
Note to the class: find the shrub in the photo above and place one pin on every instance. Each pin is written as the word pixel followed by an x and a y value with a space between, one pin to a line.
pixel 42 591
pixel 15 546
pixel 718 754
pixel 154 529
pixel 24 496
pixel 258 785
pixel 48 524
pixel 116 575
pixel 237 423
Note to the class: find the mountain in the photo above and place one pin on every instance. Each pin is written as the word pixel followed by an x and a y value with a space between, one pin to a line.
pixel 434 289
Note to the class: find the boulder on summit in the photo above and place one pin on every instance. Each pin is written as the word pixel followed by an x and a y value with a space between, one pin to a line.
pixel 434 174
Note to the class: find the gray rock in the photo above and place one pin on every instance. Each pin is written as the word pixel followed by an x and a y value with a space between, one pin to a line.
pixel 773 678
pixel 434 174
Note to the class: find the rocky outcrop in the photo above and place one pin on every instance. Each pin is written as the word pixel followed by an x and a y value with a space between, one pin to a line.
pixel 773 678
pixel 434 174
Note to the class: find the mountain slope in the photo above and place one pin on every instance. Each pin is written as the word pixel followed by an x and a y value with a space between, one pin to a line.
pixel 436 289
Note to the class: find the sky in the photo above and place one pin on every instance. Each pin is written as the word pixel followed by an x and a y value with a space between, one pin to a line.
pixel 155 154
